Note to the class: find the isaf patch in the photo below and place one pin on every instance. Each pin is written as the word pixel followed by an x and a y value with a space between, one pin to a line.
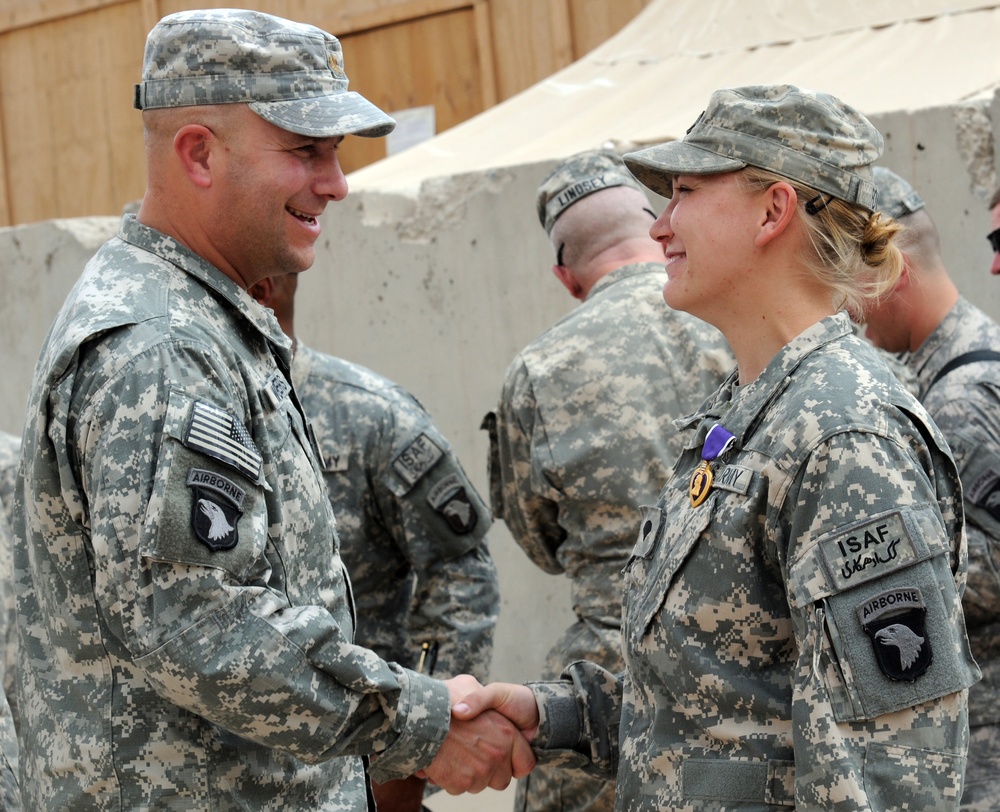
pixel 417 459
pixel 221 436
pixel 216 509
pixel 868 551
pixel 895 622
pixel 449 498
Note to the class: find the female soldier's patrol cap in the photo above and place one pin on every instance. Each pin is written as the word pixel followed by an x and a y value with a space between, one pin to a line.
pixel 810 137
pixel 289 73
pixel 575 178
pixel 895 196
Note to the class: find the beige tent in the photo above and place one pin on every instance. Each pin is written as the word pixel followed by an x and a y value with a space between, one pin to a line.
pixel 649 82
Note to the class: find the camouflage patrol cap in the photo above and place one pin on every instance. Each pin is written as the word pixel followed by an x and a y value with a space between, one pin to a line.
pixel 576 177
pixel 895 196
pixel 810 137
pixel 290 74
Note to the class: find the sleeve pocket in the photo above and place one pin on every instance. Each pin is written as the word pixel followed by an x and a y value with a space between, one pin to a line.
pixel 891 641
pixel 201 511
pixel 898 777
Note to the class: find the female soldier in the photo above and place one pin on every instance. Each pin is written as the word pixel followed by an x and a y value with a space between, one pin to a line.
pixel 792 625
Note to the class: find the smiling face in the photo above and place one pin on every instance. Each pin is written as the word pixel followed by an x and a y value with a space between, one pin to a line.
pixel 707 233
pixel 270 188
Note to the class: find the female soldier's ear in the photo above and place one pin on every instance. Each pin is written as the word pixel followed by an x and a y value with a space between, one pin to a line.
pixel 780 201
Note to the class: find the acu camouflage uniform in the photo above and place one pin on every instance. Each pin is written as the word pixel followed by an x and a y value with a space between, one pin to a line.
pixel 10 447
pixel 186 620
pixel 10 454
pixel 965 404
pixel 582 439
pixel 797 638
pixel 412 527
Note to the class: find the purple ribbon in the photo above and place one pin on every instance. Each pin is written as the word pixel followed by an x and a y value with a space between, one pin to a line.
pixel 717 442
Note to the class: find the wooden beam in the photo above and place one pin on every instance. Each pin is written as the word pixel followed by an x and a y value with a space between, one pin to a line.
pixel 149 11
pixel 561 21
pixel 484 46
pixel 6 210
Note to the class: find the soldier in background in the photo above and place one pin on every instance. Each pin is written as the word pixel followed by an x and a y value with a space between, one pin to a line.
pixel 10 454
pixel 793 627
pixel 10 447
pixel 186 621
pixel 582 436
pixel 952 350
pixel 412 527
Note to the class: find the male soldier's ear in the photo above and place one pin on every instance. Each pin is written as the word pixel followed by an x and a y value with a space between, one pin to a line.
pixel 192 143
pixel 569 280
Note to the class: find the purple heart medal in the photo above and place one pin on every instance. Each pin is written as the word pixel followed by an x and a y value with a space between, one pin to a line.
pixel 717 442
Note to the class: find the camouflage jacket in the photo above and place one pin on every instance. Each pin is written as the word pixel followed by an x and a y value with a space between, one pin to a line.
pixel 9 795
pixel 965 404
pixel 10 452
pixel 186 622
pixel 796 639
pixel 583 431
pixel 412 527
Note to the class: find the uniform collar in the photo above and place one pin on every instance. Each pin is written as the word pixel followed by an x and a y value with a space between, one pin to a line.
pixel 624 272
pixel 740 414
pixel 925 361
pixel 170 250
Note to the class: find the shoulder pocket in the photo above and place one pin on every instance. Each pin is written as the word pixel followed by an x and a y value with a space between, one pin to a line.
pixel 893 634
pixel 206 509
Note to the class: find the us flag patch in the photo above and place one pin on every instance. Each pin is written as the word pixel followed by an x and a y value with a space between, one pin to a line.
pixel 221 436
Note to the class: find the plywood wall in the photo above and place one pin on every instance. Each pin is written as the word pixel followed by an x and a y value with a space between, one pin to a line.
pixel 71 144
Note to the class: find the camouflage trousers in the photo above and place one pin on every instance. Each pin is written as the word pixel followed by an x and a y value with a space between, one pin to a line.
pixel 553 789
pixel 982 775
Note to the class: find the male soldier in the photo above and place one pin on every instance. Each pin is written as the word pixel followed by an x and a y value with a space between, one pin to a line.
pixel 953 353
pixel 583 432
pixel 412 527
pixel 186 621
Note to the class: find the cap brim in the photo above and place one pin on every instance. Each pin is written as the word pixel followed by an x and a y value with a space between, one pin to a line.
pixel 655 167
pixel 346 113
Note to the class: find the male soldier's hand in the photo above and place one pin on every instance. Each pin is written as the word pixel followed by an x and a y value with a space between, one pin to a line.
pixel 483 750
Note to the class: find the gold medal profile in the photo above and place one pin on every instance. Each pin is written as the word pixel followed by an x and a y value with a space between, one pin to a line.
pixel 701 483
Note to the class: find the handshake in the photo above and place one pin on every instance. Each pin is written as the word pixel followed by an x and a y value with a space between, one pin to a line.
pixel 489 742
